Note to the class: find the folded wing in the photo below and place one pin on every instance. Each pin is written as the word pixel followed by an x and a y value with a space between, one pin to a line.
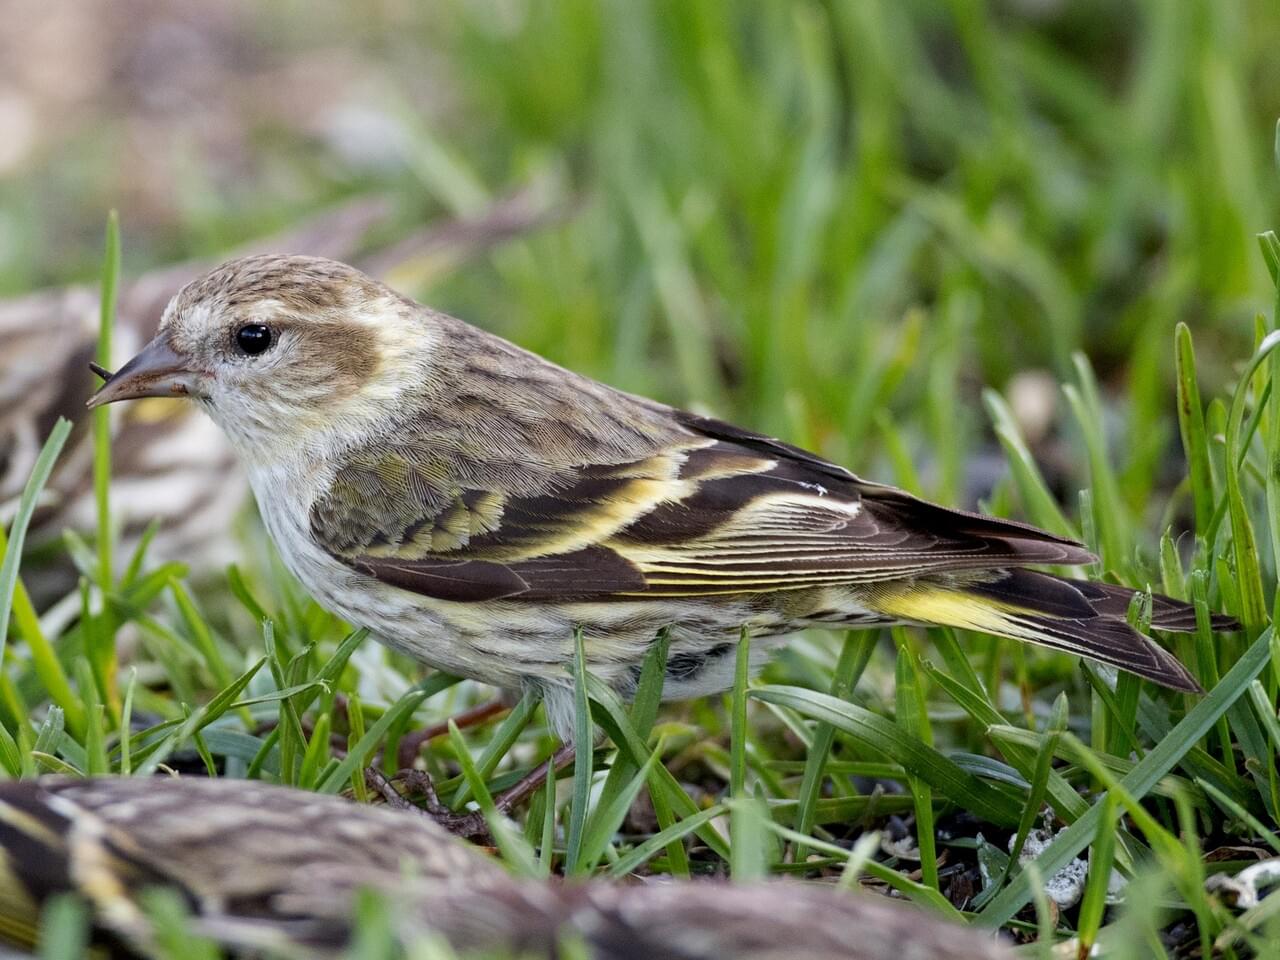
pixel 717 511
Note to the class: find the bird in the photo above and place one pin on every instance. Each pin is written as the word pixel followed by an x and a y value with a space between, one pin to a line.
pixel 268 868
pixel 475 505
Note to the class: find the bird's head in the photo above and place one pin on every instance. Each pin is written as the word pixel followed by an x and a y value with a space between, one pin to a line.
pixel 285 353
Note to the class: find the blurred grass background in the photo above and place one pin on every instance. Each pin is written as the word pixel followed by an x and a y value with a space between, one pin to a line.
pixel 770 208
pixel 838 222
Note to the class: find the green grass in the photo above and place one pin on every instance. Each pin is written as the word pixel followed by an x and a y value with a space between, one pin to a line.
pixel 852 225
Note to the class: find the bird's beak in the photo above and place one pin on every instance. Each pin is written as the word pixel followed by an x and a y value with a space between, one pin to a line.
pixel 157 371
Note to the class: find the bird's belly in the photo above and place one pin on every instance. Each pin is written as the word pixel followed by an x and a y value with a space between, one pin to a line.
pixel 401 620
pixel 393 616
pixel 517 643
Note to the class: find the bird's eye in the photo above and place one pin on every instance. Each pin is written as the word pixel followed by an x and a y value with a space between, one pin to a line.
pixel 253 338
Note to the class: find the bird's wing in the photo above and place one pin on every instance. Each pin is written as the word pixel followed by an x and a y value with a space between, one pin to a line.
pixel 715 510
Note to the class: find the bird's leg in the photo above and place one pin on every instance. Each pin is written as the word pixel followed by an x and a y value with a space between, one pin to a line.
pixel 411 743
pixel 472 824
pixel 532 782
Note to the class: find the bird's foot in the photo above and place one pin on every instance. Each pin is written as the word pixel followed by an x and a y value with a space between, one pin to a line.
pixel 418 784
pixel 533 781
pixel 408 786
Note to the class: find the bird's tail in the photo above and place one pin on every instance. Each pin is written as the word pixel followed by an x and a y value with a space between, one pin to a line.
pixel 1077 616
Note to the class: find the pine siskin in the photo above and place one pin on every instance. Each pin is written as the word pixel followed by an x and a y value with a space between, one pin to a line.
pixel 275 869
pixel 474 504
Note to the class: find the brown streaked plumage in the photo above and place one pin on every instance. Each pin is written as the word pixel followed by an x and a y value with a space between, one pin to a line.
pixel 271 868
pixel 473 503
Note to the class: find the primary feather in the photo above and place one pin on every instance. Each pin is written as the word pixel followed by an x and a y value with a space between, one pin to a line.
pixel 473 504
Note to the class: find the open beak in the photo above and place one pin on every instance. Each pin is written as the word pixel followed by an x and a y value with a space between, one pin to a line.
pixel 157 371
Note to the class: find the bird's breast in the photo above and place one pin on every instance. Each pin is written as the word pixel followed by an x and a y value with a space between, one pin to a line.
pixel 284 498
pixel 403 620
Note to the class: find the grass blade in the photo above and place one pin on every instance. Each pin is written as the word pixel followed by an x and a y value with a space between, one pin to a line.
pixel 854 656
pixel 912 716
pixel 18 529
pixel 880 735
pixel 102 415
pixel 400 710
pixel 1162 758
pixel 584 756
pixel 516 852
pixel 606 820
pixel 1191 425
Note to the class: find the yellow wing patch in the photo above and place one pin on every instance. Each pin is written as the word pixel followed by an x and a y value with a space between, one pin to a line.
pixel 645 485
pixel 928 603
pixel 19 913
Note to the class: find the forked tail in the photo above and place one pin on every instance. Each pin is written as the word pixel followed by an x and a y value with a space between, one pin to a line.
pixel 1077 616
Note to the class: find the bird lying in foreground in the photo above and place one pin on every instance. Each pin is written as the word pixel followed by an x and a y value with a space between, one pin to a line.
pixel 270 868
pixel 473 504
